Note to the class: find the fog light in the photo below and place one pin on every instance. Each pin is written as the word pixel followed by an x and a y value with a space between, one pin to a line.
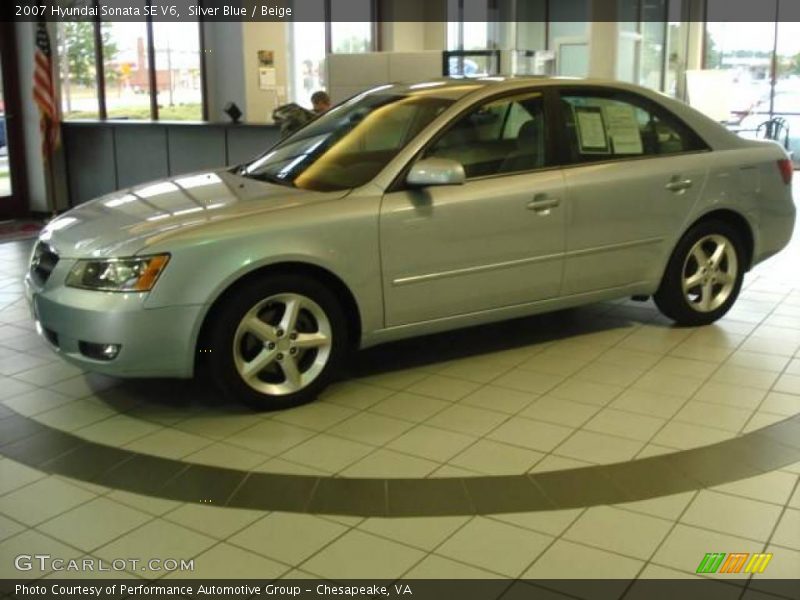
pixel 99 351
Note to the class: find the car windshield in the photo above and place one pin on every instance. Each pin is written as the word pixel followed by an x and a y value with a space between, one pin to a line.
pixel 349 145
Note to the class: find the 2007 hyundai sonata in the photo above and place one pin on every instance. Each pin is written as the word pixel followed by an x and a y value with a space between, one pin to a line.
pixel 407 210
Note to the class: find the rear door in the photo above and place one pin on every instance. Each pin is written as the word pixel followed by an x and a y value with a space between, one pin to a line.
pixel 495 241
pixel 633 171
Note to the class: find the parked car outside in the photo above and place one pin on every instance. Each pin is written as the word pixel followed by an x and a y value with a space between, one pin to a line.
pixel 407 210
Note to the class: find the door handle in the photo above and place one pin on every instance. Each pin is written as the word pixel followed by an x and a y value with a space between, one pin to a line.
pixel 679 185
pixel 542 204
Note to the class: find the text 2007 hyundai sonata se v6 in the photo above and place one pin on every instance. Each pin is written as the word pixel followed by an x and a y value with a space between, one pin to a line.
pixel 407 210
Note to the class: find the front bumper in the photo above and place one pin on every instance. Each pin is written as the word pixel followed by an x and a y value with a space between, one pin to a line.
pixel 154 342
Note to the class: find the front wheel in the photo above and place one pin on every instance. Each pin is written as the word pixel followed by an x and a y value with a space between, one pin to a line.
pixel 277 342
pixel 704 275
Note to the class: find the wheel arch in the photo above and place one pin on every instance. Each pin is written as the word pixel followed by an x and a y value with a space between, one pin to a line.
pixel 324 276
pixel 734 219
pixel 671 295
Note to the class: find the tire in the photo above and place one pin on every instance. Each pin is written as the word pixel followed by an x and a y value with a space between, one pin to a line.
pixel 704 274
pixel 277 342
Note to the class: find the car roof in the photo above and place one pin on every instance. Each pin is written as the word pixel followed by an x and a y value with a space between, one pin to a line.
pixel 464 85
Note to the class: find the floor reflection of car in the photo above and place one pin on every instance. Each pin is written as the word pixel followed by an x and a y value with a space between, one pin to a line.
pixel 408 210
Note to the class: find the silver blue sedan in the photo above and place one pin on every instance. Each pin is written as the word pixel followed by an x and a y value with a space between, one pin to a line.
pixel 407 210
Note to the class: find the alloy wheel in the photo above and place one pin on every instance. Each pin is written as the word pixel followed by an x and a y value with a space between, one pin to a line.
pixel 282 344
pixel 709 273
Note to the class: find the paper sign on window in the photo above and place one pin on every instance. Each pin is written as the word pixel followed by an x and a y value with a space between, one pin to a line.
pixel 623 129
pixel 591 126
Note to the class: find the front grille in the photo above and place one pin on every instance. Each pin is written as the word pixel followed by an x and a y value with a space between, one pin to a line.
pixel 43 262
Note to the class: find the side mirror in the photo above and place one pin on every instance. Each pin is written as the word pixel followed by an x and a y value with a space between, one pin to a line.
pixel 436 171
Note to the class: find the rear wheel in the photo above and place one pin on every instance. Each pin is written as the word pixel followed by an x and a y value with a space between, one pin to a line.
pixel 277 342
pixel 704 274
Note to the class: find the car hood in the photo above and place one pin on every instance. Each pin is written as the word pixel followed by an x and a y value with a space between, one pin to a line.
pixel 126 222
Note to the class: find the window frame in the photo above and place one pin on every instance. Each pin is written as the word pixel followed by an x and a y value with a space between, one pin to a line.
pixel 698 144
pixel 100 80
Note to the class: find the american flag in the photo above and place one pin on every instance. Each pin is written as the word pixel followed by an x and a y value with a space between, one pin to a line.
pixel 44 93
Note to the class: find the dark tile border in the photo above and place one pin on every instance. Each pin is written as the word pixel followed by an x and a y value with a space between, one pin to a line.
pixel 53 451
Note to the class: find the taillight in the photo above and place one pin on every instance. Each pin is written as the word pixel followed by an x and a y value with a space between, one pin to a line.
pixel 787 170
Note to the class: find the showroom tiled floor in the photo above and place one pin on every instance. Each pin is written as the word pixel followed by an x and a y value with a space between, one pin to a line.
pixel 593 386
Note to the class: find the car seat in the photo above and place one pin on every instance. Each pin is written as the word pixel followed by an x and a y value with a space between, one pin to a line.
pixel 530 149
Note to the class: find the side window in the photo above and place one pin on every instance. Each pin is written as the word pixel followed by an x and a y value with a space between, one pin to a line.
pixel 607 127
pixel 501 136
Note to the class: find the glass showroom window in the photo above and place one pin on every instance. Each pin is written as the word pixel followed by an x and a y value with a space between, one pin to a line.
pixel 629 45
pixel 127 50
pixel 351 37
pixel 641 53
pixel 786 98
pixel 568 35
pixel 654 30
pixel 758 87
pixel 308 60
pixel 467 26
pixel 468 29
pixel 178 80
pixel 78 73
pixel 310 43
pixel 743 51
pixel 348 36
pixel 677 52
pixel 126 70
pixel 653 54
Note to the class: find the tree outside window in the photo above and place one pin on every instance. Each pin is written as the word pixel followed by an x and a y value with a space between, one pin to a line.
pixel 76 49
pixel 126 82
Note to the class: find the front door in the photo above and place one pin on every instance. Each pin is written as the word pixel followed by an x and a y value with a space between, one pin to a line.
pixel 495 241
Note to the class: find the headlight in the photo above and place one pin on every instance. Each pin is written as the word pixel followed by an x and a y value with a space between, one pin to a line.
pixel 137 274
